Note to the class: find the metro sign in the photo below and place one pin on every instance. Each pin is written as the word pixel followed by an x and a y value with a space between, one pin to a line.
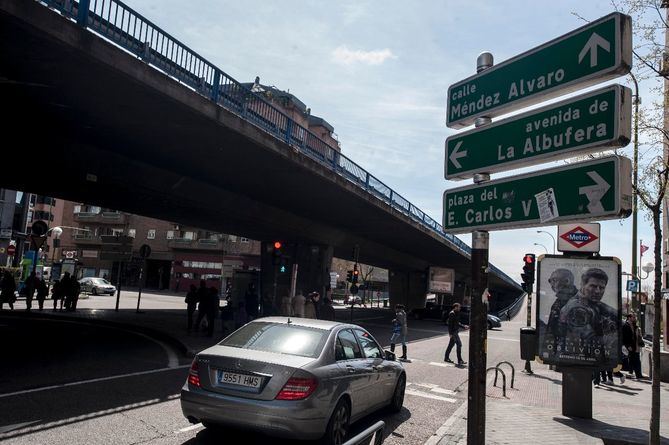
pixel 579 237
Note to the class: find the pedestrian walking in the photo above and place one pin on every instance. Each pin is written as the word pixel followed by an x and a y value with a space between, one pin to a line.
pixel 298 305
pixel 42 292
pixel 57 294
pixel 7 290
pixel 311 305
pixel 251 301
pixel 633 342
pixel 66 283
pixel 29 288
pixel 75 290
pixel 400 332
pixel 454 327
pixel 191 301
pixel 327 310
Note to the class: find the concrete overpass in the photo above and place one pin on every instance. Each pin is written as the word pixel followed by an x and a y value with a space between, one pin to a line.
pixel 147 126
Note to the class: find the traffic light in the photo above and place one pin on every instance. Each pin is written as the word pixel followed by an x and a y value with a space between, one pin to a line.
pixel 356 274
pixel 349 276
pixel 277 255
pixel 529 263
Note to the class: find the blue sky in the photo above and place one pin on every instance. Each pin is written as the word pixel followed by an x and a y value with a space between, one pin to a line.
pixel 379 72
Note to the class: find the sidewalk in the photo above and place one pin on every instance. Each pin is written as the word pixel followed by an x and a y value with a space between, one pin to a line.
pixel 531 413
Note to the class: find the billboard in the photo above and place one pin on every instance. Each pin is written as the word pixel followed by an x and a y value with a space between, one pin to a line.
pixel 579 311
pixel 440 280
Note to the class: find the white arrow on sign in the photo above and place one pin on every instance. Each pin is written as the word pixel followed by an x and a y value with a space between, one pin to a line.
pixel 456 155
pixel 591 45
pixel 596 192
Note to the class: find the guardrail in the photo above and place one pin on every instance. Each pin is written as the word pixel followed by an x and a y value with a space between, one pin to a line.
pixel 372 435
pixel 511 310
pixel 123 26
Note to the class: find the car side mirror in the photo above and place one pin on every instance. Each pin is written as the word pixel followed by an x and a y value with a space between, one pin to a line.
pixel 390 356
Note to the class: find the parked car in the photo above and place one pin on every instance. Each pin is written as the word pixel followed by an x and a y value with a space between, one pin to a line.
pixel 96 286
pixel 295 378
pixel 440 312
pixel 353 299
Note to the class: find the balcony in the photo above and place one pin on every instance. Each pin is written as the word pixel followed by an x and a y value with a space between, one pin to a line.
pixel 86 239
pixel 195 244
pixel 116 218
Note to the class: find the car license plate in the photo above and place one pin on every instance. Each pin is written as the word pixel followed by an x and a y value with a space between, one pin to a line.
pixel 231 378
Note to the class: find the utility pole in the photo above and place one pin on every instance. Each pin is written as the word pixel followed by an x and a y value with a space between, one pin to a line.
pixel 478 335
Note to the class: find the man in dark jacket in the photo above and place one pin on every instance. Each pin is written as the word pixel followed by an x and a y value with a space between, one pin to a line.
pixel 327 311
pixel 454 326
pixel 633 341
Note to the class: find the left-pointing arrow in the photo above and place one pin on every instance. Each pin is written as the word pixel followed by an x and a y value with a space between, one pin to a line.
pixel 591 45
pixel 456 155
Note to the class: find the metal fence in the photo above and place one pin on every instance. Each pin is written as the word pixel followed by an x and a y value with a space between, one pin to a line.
pixel 123 26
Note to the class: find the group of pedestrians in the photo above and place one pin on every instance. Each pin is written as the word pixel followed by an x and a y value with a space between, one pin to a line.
pixel 308 307
pixel 205 300
pixel 66 291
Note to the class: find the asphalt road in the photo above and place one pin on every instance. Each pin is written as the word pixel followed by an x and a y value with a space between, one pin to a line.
pixel 117 387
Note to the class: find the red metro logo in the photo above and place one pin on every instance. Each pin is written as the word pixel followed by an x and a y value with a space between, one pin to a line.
pixel 578 237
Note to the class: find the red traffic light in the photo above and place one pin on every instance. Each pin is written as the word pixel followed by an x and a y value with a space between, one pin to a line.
pixel 356 272
pixel 528 258
pixel 277 244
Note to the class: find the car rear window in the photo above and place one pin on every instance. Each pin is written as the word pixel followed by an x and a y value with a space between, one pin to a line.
pixel 280 338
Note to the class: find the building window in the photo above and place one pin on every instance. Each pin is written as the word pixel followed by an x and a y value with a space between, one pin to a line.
pixel 189 235
pixel 170 234
pixel 77 209
pixel 132 233
pixel 233 238
pixel 151 234
pixel 244 240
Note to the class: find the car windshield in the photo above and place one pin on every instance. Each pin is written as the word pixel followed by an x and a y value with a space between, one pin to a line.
pixel 280 338
pixel 100 281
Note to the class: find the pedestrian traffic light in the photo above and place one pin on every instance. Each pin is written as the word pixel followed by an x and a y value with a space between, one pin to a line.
pixel 529 263
pixel 276 253
pixel 349 276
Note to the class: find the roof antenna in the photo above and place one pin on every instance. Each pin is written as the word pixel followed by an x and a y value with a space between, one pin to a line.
pixel 289 322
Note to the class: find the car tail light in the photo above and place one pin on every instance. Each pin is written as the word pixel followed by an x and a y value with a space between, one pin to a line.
pixel 194 374
pixel 297 389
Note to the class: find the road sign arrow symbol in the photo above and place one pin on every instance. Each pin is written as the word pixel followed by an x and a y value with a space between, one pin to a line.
pixel 596 192
pixel 591 45
pixel 456 155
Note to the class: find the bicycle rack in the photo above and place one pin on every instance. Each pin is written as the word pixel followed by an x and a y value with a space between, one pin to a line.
pixel 513 372
pixel 503 378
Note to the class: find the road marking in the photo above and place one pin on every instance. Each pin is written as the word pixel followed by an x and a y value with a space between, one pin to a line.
pixel 435 388
pixel 429 396
pixel 191 428
pixel 84 382
pixel 443 391
pixel 443 365
pixel 16 426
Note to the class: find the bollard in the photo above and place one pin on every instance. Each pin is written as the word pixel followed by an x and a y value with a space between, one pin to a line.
pixel 503 378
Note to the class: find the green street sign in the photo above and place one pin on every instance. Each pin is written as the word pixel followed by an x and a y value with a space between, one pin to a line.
pixel 586 191
pixel 596 52
pixel 584 124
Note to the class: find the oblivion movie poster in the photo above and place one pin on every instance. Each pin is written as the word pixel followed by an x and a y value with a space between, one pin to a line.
pixel 579 311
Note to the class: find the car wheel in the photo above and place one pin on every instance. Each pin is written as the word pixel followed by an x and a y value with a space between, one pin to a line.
pixel 337 428
pixel 398 395
pixel 95 290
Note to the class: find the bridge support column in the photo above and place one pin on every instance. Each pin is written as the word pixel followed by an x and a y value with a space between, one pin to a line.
pixel 314 262
pixel 408 288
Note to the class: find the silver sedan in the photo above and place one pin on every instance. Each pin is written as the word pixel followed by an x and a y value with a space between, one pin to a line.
pixel 293 377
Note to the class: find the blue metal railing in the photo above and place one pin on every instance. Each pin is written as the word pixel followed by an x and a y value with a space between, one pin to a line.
pixel 123 26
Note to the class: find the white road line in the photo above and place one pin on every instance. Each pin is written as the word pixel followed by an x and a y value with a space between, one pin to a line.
pixel 429 396
pixel 191 428
pixel 83 382
pixel 443 391
pixel 443 429
pixel 443 365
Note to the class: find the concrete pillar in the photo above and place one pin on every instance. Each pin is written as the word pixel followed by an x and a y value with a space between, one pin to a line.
pixel 408 288
pixel 313 270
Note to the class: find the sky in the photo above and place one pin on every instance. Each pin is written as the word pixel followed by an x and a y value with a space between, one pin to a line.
pixel 378 72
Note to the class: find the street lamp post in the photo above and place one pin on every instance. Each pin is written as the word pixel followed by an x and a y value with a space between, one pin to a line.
pixel 648 268
pixel 552 237
pixel 545 248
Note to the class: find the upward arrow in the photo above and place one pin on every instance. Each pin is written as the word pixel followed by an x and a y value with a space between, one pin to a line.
pixel 591 45
pixel 456 155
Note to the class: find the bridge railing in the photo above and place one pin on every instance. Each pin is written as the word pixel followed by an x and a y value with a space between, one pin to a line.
pixel 125 27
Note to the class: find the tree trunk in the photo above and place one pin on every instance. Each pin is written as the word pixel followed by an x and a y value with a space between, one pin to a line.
pixel 654 437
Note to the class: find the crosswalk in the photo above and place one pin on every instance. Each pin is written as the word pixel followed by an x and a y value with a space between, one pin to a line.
pixel 430 391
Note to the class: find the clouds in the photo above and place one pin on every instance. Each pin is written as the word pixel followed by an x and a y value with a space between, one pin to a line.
pixel 344 56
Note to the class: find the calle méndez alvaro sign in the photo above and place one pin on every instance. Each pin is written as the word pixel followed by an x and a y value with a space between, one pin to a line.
pixel 582 124
pixel 596 52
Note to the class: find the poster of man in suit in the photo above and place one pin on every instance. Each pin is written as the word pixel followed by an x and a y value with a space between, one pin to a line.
pixel 579 311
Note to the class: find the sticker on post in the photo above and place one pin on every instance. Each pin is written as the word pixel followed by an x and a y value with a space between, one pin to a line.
pixel 547 206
